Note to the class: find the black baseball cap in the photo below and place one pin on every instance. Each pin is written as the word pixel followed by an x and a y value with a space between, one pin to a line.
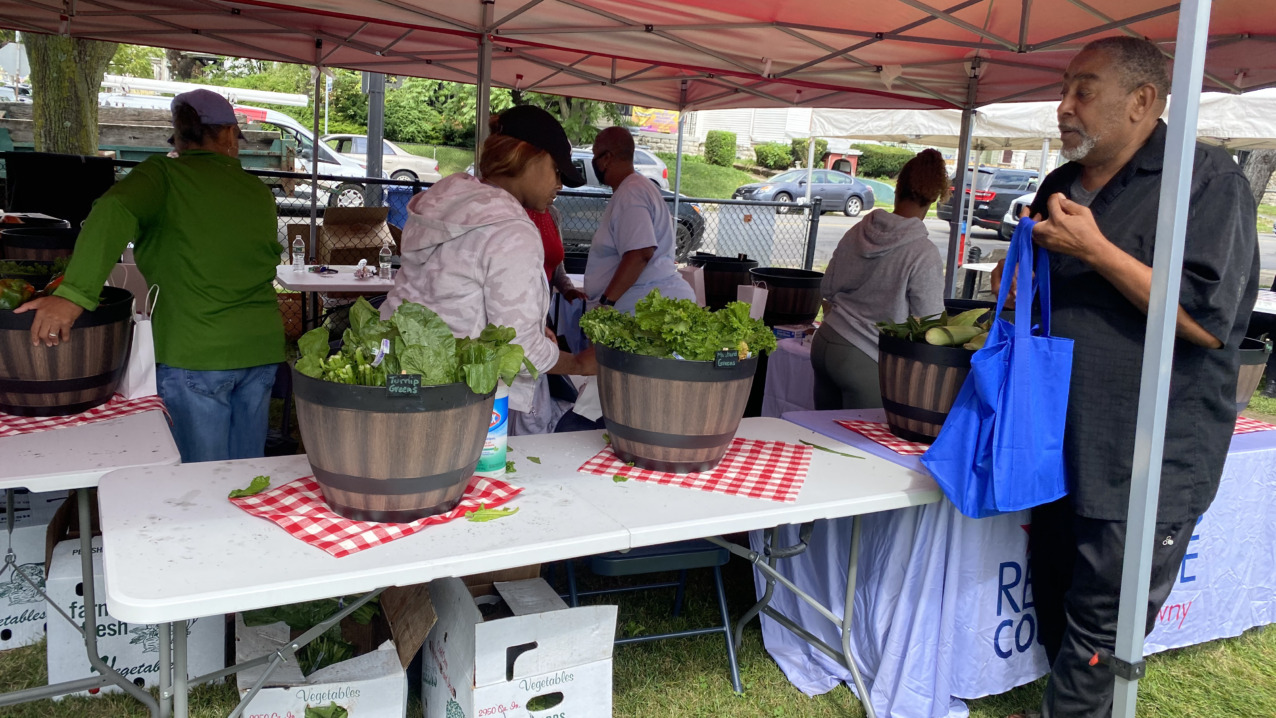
pixel 538 128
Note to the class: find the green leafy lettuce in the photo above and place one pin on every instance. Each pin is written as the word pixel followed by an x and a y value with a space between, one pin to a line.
pixel 413 341
pixel 664 327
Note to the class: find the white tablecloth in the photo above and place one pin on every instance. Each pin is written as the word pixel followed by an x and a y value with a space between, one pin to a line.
pixel 790 380
pixel 945 602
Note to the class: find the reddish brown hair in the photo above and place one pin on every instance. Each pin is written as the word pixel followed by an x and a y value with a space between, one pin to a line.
pixel 924 179
pixel 505 156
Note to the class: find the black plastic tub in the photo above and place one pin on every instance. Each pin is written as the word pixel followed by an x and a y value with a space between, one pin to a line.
pixel 793 295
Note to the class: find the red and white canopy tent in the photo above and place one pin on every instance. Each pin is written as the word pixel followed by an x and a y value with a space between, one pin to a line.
pixel 704 54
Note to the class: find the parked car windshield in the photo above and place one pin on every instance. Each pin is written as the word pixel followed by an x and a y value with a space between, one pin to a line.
pixel 792 176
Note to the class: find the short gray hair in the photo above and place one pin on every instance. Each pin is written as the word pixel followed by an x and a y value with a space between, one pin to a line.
pixel 1140 61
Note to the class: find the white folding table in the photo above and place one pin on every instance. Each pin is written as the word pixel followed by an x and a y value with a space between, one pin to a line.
pixel 312 283
pixel 217 559
pixel 77 458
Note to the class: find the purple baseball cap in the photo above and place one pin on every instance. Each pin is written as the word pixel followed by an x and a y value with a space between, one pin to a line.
pixel 213 109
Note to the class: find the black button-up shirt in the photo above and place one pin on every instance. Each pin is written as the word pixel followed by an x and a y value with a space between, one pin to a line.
pixel 1219 286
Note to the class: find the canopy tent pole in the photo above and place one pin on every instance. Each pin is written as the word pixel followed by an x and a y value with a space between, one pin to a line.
pixel 810 163
pixel 376 137
pixel 1045 159
pixel 959 186
pixel 677 177
pixel 1158 351
pixel 314 156
pixel 484 99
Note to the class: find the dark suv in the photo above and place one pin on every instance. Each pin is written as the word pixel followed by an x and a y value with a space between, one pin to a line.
pixel 995 189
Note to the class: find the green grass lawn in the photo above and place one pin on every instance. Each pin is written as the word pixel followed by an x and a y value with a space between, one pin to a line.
pixel 451 159
pixel 1266 217
pixel 705 180
pixel 688 678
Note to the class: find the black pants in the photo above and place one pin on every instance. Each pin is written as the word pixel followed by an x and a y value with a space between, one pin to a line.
pixel 1076 587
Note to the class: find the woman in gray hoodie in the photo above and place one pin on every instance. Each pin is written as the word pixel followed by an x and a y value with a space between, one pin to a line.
pixel 884 269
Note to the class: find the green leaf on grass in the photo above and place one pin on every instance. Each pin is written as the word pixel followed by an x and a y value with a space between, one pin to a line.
pixel 825 448
pixel 258 485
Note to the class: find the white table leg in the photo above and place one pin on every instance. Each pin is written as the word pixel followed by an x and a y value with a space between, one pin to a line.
pixel 180 689
pixel 165 670
pixel 90 613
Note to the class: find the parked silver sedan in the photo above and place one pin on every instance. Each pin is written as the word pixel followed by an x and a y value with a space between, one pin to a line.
pixel 395 161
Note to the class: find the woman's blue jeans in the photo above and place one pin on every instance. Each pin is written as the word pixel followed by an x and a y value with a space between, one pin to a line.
pixel 217 415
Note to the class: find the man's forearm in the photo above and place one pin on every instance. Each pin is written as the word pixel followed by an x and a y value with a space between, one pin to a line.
pixel 631 266
pixel 1134 280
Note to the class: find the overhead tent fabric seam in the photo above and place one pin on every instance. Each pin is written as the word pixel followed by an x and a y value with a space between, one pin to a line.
pixel 738 54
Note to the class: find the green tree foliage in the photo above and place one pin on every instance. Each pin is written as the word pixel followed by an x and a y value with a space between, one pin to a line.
pixel 798 149
pixel 135 61
pixel 773 155
pixel 882 160
pixel 719 148
pixel 580 118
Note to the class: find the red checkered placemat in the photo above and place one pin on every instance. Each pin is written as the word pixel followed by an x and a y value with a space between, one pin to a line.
pixel 882 434
pixel 116 408
pixel 1245 425
pixel 298 507
pixel 754 469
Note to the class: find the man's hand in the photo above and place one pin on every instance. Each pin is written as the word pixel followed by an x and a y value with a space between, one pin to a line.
pixel 1071 230
pixel 53 319
pixel 997 273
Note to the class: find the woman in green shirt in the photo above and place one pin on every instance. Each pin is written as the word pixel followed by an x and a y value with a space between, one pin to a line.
pixel 204 231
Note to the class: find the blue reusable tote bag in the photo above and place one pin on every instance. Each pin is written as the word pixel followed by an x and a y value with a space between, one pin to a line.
pixel 1001 447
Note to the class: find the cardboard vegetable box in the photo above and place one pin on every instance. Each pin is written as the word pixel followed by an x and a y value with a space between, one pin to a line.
pixel 516 653
pixel 373 684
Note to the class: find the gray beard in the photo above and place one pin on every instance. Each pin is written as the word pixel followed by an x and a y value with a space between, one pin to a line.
pixel 1079 152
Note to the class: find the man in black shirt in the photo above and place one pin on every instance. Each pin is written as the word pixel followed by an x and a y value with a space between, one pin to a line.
pixel 1100 217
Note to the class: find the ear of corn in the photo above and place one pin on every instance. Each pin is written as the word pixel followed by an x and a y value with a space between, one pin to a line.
pixel 967 318
pixel 951 336
pixel 977 343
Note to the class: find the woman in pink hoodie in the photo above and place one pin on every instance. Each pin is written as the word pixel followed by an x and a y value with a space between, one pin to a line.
pixel 471 254
pixel 884 269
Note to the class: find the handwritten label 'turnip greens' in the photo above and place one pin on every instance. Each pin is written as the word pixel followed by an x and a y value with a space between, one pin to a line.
pixel 403 385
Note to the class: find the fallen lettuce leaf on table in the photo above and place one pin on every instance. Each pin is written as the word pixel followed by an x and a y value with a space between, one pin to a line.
pixel 485 514
pixel 256 486
pixel 534 459
pixel 827 449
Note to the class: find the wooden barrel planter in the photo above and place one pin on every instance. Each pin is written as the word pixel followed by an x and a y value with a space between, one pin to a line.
pixel 387 458
pixel 722 276
pixel 793 295
pixel 75 375
pixel 1254 353
pixel 919 383
pixel 671 415
pixel 40 243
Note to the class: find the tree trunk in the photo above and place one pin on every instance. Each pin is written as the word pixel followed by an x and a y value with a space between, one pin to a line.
pixel 1257 168
pixel 66 75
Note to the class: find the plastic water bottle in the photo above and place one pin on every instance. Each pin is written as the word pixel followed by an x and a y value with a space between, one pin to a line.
pixel 492 461
pixel 384 258
pixel 298 254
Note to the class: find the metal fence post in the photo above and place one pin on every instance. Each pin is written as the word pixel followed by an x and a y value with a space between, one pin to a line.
pixel 812 234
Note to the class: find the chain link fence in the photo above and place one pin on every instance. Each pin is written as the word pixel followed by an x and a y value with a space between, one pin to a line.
pixel 346 231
